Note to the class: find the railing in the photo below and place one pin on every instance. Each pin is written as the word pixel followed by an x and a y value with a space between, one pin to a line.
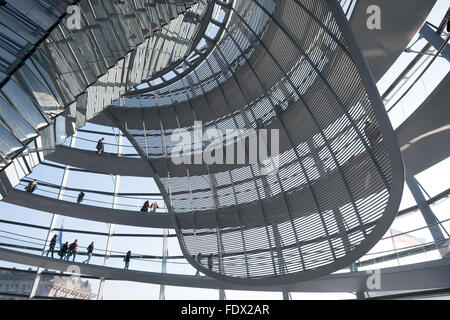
pixel 438 198
pixel 125 201
pixel 41 191
pixel 153 262
pixel 27 243
pixel 372 258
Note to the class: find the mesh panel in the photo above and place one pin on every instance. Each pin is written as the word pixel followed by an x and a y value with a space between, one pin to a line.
pixel 282 65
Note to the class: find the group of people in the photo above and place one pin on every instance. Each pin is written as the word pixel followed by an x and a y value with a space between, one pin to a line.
pixel 210 261
pixel 70 250
pixel 146 207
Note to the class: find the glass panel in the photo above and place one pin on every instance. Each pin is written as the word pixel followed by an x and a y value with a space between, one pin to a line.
pixel 17 124
pixel 60 129
pixel 38 64
pixel 23 105
pixel 48 140
pixel 8 143
pixel 41 93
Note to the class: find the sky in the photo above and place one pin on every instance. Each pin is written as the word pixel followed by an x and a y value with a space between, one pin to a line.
pixel 434 180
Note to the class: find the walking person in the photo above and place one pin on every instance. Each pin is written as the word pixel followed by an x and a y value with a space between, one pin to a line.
pixel 80 197
pixel 90 249
pixel 62 252
pixel 127 260
pixel 199 261
pixel 72 250
pixel 100 146
pixel 32 186
pixel 154 207
pixel 145 206
pixel 52 246
pixel 210 261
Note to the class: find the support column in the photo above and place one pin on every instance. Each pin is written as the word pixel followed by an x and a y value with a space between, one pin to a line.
pixel 287 296
pixel 435 40
pixel 111 226
pixel 427 213
pixel 220 247
pixel 360 295
pixel 165 253
pixel 52 223
pixel 165 250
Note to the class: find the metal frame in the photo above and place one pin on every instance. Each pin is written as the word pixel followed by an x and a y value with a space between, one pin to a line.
pixel 388 137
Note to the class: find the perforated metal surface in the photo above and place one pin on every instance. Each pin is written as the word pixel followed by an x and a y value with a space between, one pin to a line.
pixel 293 66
